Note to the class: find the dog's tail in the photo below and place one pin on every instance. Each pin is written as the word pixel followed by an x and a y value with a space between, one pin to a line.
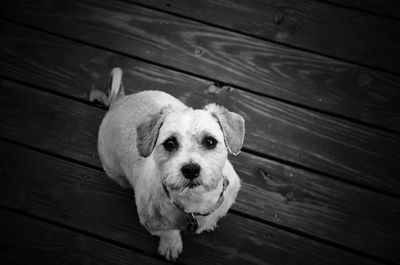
pixel 116 87
pixel 115 90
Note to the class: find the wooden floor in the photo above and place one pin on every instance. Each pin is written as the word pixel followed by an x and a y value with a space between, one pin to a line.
pixel 318 83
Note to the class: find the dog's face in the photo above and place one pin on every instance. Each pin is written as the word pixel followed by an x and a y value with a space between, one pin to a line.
pixel 190 149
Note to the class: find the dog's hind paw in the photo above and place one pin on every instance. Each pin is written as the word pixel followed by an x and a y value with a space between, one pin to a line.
pixel 98 96
pixel 170 247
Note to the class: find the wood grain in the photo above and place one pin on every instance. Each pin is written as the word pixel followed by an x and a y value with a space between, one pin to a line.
pixel 271 191
pixel 312 25
pixel 27 241
pixel 304 78
pixel 86 199
pixel 353 152
pixel 389 8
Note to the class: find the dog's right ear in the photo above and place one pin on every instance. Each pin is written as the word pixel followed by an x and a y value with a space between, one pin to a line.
pixel 147 132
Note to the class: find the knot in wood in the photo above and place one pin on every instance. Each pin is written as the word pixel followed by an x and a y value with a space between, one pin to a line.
pixel 279 16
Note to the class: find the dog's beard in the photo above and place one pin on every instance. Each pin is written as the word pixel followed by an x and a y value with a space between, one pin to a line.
pixel 197 195
pixel 181 186
pixel 193 195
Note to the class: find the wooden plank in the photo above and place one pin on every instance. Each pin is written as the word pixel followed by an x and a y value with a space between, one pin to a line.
pixel 350 151
pixel 86 199
pixel 271 191
pixel 333 86
pixel 307 24
pixel 390 8
pixel 28 241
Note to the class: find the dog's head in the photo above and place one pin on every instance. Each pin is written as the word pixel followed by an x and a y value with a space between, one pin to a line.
pixel 190 149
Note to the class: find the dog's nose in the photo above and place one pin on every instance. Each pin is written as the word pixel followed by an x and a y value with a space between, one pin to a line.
pixel 191 170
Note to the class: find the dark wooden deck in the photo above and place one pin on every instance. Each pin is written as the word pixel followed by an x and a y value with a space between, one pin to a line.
pixel 318 83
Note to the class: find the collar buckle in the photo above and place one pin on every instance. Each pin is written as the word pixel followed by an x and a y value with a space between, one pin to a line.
pixel 191 225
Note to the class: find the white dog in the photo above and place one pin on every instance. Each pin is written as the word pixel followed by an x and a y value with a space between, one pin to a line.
pixel 174 157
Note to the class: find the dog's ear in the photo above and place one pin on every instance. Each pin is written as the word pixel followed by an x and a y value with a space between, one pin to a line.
pixel 147 133
pixel 232 126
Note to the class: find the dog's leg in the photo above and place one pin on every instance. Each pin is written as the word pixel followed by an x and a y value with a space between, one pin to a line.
pixel 208 223
pixel 109 161
pixel 170 243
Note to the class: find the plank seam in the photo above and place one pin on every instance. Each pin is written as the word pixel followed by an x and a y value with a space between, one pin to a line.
pixel 233 211
pixel 372 67
pixel 83 232
pixel 281 100
pixel 244 149
pixel 360 10
pixel 54 92
pixel 49 153
pixel 311 237
pixel 215 81
pixel 321 173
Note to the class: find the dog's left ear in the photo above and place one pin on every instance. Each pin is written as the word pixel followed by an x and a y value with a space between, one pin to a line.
pixel 147 132
pixel 232 126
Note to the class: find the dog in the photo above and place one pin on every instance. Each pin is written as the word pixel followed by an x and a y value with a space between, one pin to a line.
pixel 174 157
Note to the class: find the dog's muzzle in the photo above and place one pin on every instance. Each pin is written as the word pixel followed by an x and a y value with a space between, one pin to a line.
pixel 191 224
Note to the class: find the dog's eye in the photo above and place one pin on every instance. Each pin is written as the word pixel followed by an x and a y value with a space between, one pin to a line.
pixel 171 144
pixel 209 142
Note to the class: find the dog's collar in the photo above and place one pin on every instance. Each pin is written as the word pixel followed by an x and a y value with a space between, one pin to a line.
pixel 192 224
pixel 216 206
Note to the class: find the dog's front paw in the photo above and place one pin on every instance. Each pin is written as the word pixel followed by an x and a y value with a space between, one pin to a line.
pixel 170 246
pixel 209 228
pixel 208 223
